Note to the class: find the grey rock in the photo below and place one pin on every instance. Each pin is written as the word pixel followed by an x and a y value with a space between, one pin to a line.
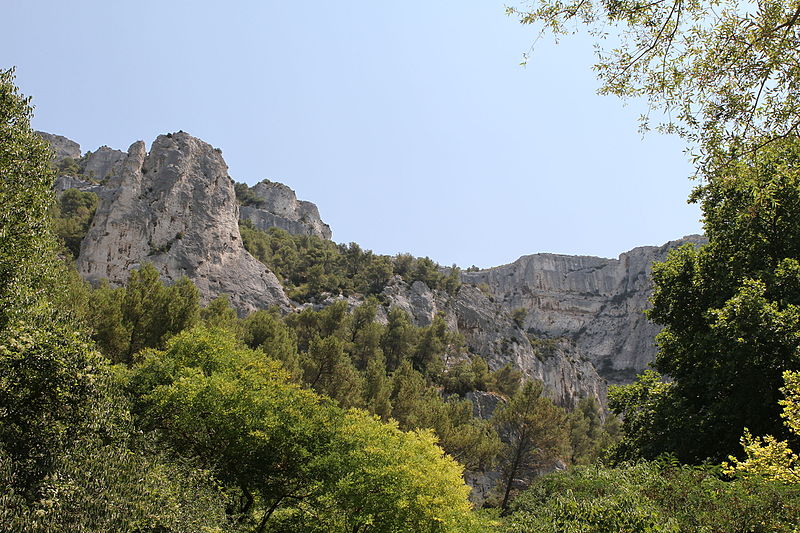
pixel 282 209
pixel 61 146
pixel 175 207
pixel 484 403
pixel 102 164
pixel 63 183
pixel 490 331
pixel 594 303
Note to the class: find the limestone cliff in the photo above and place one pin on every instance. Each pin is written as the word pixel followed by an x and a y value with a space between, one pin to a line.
pixel 279 207
pixel 581 320
pixel 61 146
pixel 597 304
pixel 174 207
pixel 490 331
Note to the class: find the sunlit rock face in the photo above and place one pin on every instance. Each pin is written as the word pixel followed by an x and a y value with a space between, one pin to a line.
pixel 596 304
pixel 583 324
pixel 490 331
pixel 281 209
pixel 175 207
pixel 61 147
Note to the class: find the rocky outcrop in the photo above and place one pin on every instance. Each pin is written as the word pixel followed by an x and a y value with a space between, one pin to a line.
pixel 102 164
pixel 175 207
pixel 61 146
pixel 490 331
pixel 280 208
pixel 594 304
pixel 571 321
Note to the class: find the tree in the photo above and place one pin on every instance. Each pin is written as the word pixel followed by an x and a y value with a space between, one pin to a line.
pixel 534 433
pixel 393 480
pixel 657 497
pixel 299 463
pixel 725 72
pixel 72 216
pixel 265 331
pixel 767 456
pixel 731 309
pixel 239 414
pixel 400 338
pixel 152 312
pixel 590 435
pixel 52 381
pixel 329 371
pixel 219 313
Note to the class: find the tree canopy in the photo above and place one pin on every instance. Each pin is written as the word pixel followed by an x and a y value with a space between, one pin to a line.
pixel 724 73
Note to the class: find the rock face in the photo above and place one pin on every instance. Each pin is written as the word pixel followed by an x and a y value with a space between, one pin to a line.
pixel 282 209
pixel 595 304
pixel 61 146
pixel 573 322
pixel 490 331
pixel 175 207
pixel 102 164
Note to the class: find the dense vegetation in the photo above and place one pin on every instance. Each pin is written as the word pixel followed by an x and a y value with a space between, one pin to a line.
pixel 311 267
pixel 136 409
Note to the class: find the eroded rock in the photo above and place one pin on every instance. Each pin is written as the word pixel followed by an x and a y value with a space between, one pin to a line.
pixel 175 207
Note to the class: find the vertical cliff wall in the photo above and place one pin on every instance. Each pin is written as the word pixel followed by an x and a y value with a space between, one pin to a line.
pixel 598 304
pixel 175 207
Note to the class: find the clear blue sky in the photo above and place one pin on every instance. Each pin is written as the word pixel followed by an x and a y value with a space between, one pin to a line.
pixel 410 124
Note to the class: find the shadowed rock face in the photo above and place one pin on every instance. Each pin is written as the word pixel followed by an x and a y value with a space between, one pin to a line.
pixel 175 207
pixel 597 304
pixel 283 210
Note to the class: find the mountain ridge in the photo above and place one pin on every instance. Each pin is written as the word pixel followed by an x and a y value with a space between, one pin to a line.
pixel 574 322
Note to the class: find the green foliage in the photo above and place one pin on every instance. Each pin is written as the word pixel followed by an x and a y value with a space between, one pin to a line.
pixel 143 314
pixel 68 166
pixel 392 480
pixel 590 435
pixel 247 197
pixel 310 266
pixel 49 384
pixel 114 488
pixel 27 247
pixel 466 375
pixel 766 456
pixel 72 216
pixel 653 497
pixel 329 371
pixel 219 314
pixel 730 310
pixel 648 411
pixel 51 379
pixel 265 331
pixel 724 71
pixel 237 412
pixel 535 435
pixel 506 380
pixel 399 339
pixel 290 454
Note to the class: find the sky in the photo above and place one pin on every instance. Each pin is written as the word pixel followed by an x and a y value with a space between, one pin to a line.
pixel 411 125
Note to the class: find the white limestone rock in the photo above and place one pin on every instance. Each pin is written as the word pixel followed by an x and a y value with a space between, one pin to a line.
pixel 282 209
pixel 61 146
pixel 490 331
pixel 175 207
pixel 596 303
